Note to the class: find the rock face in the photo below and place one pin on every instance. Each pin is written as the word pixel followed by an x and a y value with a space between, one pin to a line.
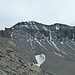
pixel 56 42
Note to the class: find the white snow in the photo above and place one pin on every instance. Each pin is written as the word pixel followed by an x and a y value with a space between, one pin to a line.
pixel 45 28
pixel 26 26
pixel 47 41
pixel 55 45
pixel 39 43
pixel 50 36
pixel 58 48
pixel 12 28
pixel 36 27
pixel 64 52
pixel 27 40
pixel 57 27
pixel 61 42
pixel 11 36
pixel 58 54
pixel 40 59
pixel 22 25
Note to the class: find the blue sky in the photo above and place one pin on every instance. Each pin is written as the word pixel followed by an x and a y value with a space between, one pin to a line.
pixel 44 11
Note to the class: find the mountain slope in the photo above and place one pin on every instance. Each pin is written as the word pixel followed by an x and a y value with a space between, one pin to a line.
pixel 12 62
pixel 54 44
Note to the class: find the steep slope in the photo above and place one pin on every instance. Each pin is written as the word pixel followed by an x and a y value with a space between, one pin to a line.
pixel 53 44
pixel 14 62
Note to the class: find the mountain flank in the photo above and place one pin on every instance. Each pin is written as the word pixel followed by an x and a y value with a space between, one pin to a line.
pixel 32 48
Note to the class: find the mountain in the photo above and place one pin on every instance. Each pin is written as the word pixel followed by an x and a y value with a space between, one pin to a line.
pixel 49 47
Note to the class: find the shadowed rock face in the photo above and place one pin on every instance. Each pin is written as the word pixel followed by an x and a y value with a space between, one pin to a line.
pixel 56 42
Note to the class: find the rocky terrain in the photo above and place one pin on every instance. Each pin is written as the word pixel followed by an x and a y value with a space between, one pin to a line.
pixel 12 62
pixel 32 48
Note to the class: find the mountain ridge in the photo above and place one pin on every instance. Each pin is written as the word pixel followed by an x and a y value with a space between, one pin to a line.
pixel 56 42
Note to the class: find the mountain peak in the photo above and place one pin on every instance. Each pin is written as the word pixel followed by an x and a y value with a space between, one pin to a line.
pixel 47 45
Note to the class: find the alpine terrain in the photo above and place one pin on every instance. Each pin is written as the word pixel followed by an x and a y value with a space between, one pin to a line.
pixel 32 48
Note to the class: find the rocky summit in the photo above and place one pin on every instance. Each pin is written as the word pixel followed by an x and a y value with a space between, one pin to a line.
pixel 32 48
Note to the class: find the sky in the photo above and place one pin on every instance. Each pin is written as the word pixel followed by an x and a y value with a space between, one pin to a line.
pixel 43 11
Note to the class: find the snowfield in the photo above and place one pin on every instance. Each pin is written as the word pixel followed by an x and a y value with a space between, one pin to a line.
pixel 40 59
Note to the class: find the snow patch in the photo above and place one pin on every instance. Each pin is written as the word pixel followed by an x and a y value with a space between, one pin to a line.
pixel 50 36
pixel 36 27
pixel 27 40
pixel 55 45
pixel 23 25
pixel 58 48
pixel 26 26
pixel 57 27
pixel 39 43
pixel 62 43
pixel 58 54
pixel 45 28
pixel 47 41
pixel 11 36
pixel 40 59
pixel 12 28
